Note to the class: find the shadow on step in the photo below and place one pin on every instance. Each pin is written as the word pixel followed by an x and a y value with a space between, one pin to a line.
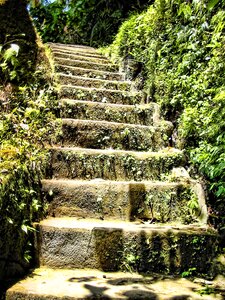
pixel 131 287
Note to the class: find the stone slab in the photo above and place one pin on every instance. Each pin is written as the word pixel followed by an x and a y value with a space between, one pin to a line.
pixel 48 284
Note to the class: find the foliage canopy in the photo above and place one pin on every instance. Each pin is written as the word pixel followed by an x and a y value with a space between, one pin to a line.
pixel 91 22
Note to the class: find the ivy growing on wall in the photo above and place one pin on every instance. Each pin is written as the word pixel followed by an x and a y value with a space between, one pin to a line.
pixel 180 45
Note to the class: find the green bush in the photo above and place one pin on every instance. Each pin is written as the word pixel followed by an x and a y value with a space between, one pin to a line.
pixel 181 47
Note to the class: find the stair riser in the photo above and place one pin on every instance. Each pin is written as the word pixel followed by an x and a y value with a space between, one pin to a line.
pixel 85 64
pixel 78 165
pixel 102 135
pixel 103 96
pixel 127 201
pixel 160 251
pixel 80 57
pixel 141 115
pixel 89 73
pixel 123 86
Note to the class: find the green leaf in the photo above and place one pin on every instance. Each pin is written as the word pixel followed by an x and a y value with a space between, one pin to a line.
pixel 212 4
pixel 24 228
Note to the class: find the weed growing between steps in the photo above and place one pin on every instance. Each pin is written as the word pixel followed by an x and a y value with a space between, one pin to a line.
pixel 180 49
pixel 27 125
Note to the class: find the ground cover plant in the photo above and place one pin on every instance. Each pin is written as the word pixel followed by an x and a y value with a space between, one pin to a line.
pixel 179 47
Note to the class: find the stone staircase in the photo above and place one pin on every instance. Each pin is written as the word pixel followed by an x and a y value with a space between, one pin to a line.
pixel 120 204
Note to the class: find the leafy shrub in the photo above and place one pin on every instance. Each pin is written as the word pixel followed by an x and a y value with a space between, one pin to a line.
pixel 180 45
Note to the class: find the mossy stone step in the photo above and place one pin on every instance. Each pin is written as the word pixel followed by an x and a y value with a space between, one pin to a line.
pixel 146 114
pixel 93 82
pixel 65 284
pixel 77 56
pixel 80 163
pixel 90 73
pixel 104 135
pixel 86 64
pixel 101 95
pixel 117 245
pixel 158 202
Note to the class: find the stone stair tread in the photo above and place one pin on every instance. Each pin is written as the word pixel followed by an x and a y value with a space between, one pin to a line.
pixel 116 105
pixel 94 79
pixel 105 134
pixel 76 51
pixel 70 61
pixel 93 82
pixel 99 181
pixel 71 242
pixel 73 47
pixel 60 284
pixel 104 95
pixel 137 154
pixel 122 200
pixel 142 114
pixel 118 125
pixel 100 89
pixel 74 223
pixel 90 71
pixel 77 56
pixel 89 163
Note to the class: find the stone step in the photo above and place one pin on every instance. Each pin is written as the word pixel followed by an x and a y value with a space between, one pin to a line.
pixel 80 163
pixel 117 245
pixel 90 73
pixel 80 48
pixel 66 284
pixel 77 52
pixel 146 114
pixel 93 82
pixel 77 56
pixel 101 95
pixel 86 64
pixel 104 135
pixel 124 200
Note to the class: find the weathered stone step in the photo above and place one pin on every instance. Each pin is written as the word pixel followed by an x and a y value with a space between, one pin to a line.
pixel 125 200
pixel 78 163
pixel 146 114
pixel 80 48
pixel 117 245
pixel 101 95
pixel 93 82
pixel 65 284
pixel 86 64
pixel 104 135
pixel 77 56
pixel 77 52
pixel 91 73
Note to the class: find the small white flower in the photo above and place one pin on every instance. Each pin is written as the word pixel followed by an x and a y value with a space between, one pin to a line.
pixel 15 48
pixel 24 126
